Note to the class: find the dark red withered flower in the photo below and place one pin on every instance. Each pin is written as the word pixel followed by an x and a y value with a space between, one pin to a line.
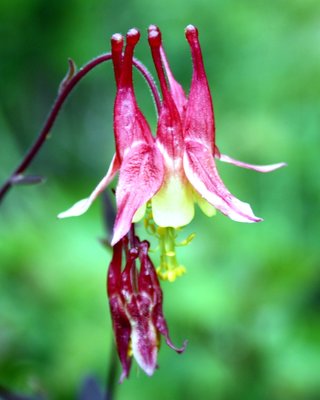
pixel 135 299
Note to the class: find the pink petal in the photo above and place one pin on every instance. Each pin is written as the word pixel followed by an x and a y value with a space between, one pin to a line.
pixel 199 118
pixel 83 205
pixel 141 176
pixel 176 89
pixel 169 129
pixel 130 125
pixel 258 168
pixel 202 173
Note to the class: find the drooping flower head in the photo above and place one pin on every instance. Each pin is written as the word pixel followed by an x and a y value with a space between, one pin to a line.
pixel 175 169
pixel 135 299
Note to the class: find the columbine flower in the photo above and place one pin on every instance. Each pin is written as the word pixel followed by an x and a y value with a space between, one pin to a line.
pixel 135 299
pixel 176 168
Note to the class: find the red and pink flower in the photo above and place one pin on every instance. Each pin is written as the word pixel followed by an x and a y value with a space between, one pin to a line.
pixel 176 168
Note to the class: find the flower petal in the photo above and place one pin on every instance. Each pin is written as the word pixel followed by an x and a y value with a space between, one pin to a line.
pixel 138 310
pixel 144 334
pixel 173 205
pixel 117 56
pixel 83 205
pixel 122 332
pixel 149 283
pixel 130 125
pixel 176 89
pixel 140 213
pixel 199 118
pixel 169 129
pixel 204 205
pixel 202 173
pixel 141 176
pixel 258 168
pixel 120 321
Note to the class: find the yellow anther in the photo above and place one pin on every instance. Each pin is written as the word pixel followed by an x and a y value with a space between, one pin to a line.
pixel 180 270
pixel 171 275
pixel 130 352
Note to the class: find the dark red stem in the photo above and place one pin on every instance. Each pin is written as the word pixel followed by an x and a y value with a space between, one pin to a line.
pixel 65 90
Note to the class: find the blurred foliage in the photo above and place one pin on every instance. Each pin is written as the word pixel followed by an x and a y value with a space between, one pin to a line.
pixel 250 302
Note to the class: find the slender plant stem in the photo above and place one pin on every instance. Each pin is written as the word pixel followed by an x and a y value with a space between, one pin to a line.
pixel 112 373
pixel 62 95
pixel 66 88
pixel 108 216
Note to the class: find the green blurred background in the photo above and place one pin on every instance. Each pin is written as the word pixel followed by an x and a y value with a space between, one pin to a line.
pixel 249 304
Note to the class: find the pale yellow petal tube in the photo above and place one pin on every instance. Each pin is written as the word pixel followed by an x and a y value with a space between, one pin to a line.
pixel 173 205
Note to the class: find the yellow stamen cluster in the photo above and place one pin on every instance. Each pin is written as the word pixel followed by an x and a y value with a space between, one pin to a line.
pixel 169 268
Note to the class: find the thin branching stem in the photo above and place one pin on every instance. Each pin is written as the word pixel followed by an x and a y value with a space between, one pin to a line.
pixel 66 88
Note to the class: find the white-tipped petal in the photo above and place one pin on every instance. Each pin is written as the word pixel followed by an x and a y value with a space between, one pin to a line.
pixel 201 172
pixel 258 168
pixel 144 346
pixel 83 205
pixel 77 209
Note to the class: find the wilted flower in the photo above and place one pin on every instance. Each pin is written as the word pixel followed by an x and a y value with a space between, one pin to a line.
pixel 176 168
pixel 135 299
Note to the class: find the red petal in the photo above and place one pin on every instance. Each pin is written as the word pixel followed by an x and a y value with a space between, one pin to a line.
pixel 120 321
pixel 176 89
pixel 169 130
pixel 202 173
pixel 116 49
pixel 128 276
pixel 199 118
pixel 114 272
pixel 130 126
pixel 141 176
pixel 122 332
pixel 146 281
pixel 149 283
